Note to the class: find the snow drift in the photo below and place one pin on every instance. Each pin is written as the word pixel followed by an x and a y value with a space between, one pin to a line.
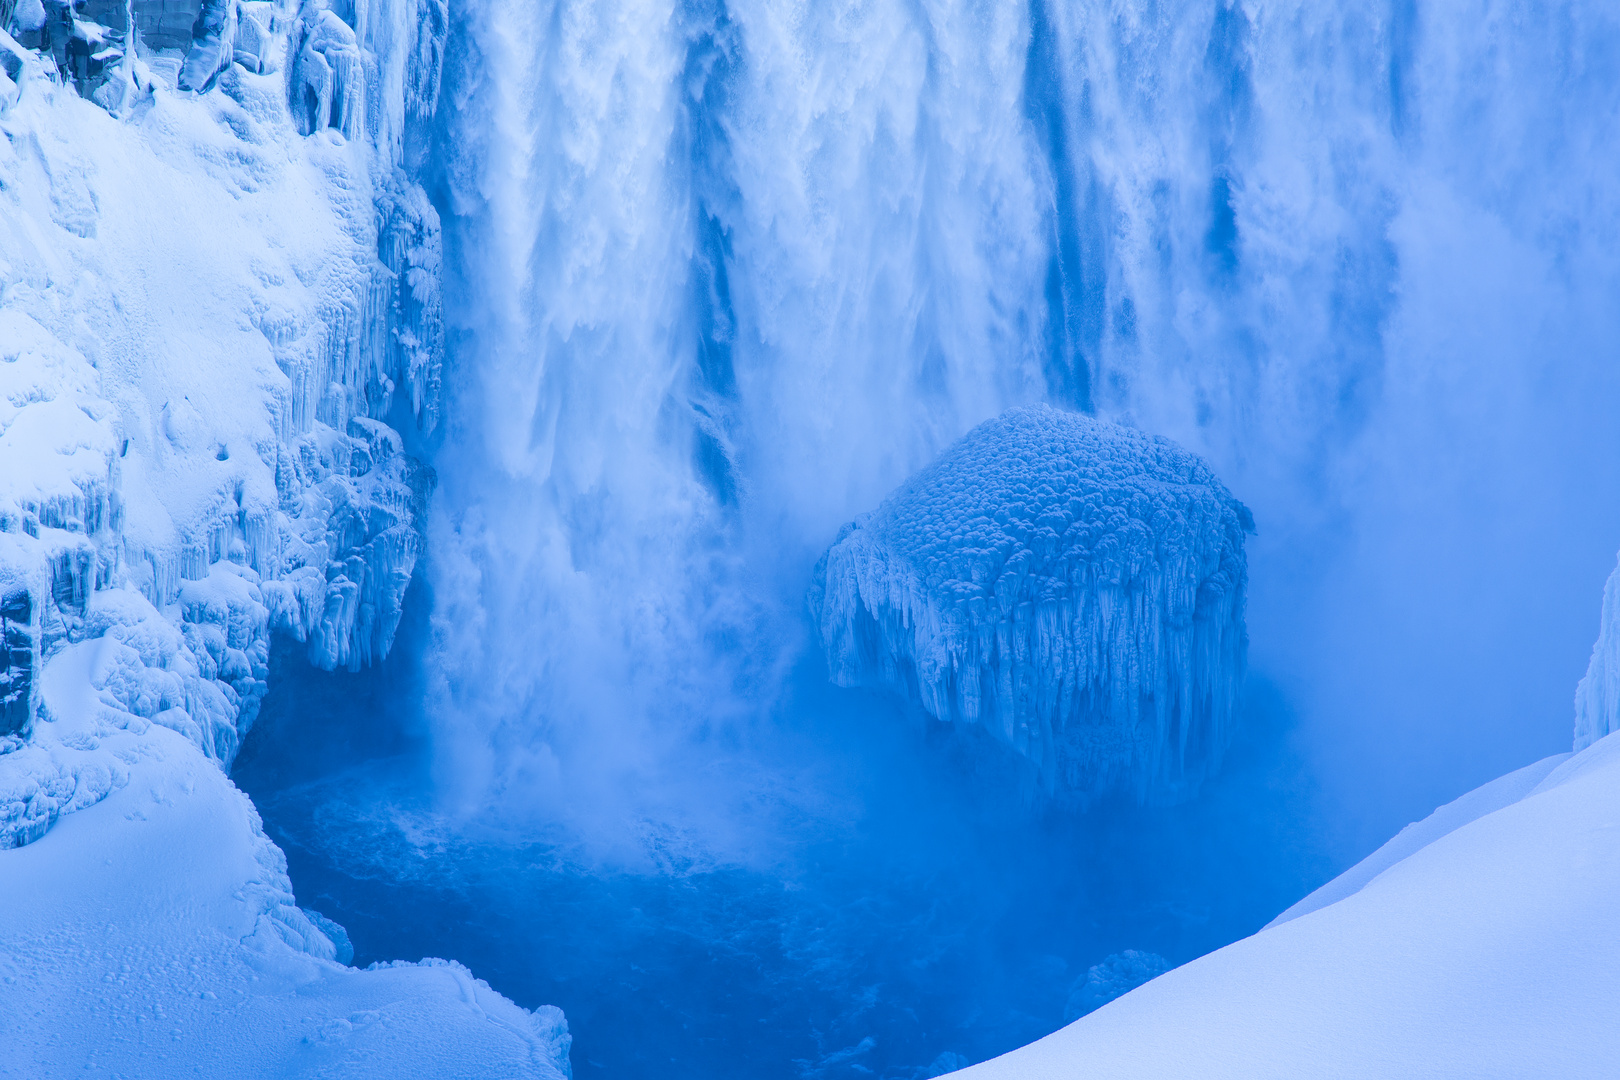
pixel 1072 587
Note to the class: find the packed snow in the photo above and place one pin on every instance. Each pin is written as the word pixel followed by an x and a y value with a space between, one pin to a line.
pixel 1074 588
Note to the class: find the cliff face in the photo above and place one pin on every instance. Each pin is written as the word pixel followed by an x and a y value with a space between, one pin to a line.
pixel 218 286
pixel 1073 588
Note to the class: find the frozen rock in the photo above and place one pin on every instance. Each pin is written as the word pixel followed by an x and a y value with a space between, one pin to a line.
pixel 1073 588
pixel 213 45
pixel 19 657
pixel 1597 697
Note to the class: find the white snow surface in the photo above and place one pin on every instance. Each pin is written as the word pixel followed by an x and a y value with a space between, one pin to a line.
pixel 1487 950
pixel 155 934
pixel 1074 587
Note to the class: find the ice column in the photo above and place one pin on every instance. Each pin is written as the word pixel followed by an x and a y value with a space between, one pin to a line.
pixel 1597 698
pixel 1074 588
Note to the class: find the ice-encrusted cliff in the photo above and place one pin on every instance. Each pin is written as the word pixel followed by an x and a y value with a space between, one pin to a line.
pixel 1597 697
pixel 218 285
pixel 1074 588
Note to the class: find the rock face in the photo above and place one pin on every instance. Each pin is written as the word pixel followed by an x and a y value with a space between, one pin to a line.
pixel 198 365
pixel 1073 588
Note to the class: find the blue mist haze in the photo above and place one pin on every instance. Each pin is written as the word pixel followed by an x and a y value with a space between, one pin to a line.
pixel 720 275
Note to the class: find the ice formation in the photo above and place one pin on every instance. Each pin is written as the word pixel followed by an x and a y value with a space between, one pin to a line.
pixel 157 935
pixel 196 365
pixel 1483 947
pixel 1074 588
pixel 1597 698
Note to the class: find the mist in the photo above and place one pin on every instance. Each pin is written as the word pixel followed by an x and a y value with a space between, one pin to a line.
pixel 720 276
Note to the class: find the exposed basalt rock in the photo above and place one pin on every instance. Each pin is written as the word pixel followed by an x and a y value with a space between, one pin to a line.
pixel 1073 588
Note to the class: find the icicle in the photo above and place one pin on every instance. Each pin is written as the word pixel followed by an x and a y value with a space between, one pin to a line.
pixel 1597 698
pixel 1074 588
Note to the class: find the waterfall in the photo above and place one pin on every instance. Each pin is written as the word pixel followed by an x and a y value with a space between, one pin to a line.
pixel 719 275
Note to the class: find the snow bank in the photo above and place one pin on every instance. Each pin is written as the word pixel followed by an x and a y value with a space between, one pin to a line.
pixel 1488 952
pixel 156 934
pixel 1075 588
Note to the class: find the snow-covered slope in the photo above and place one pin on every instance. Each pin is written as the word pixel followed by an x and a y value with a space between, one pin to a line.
pixel 1488 953
pixel 1073 587
pixel 155 935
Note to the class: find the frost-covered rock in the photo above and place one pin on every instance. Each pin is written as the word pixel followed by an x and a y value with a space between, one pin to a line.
pixel 1074 588
pixel 327 87
pixel 1597 697
pixel 213 44
pixel 1117 975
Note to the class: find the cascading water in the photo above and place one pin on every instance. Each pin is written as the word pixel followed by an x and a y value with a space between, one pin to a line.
pixel 720 275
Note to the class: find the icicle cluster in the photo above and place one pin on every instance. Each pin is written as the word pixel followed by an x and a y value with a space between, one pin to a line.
pixel 295 509
pixel 1597 698
pixel 1074 588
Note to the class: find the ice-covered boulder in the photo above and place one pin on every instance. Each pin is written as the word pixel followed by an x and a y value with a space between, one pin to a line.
pixel 1074 588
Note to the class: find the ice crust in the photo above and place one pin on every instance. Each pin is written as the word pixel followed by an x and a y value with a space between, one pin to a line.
pixel 1074 588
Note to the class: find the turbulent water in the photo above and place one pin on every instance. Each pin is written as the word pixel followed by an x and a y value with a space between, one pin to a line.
pixel 719 275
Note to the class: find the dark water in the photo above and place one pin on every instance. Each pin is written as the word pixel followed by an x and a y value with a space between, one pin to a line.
pixel 919 917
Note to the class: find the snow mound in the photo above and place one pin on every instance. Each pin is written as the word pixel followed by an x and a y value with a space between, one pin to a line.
pixel 1485 952
pixel 1074 588
pixel 155 934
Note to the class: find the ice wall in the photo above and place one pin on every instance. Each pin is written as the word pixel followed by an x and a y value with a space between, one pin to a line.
pixel 726 273
pixel 1073 588
pixel 209 303
pixel 1597 697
